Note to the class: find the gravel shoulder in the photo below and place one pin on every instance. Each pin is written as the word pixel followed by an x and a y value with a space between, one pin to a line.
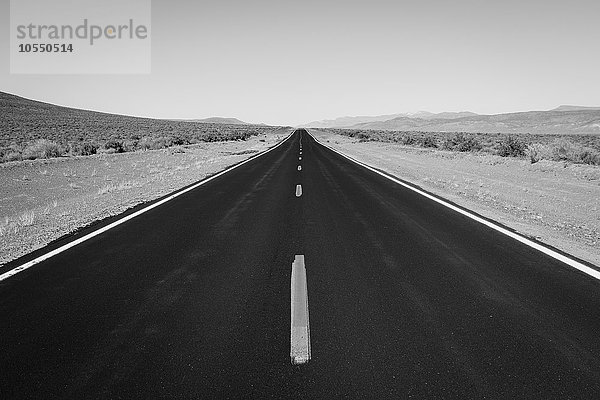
pixel 43 200
pixel 554 202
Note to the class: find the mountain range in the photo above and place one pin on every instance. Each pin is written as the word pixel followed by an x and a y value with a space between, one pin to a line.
pixel 564 120
pixel 219 120
pixel 345 122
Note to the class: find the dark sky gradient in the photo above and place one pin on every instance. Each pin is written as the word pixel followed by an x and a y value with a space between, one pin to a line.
pixel 289 62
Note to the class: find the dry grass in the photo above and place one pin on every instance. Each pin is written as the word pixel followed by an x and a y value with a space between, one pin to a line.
pixel 48 208
pixel 35 130
pixel 12 226
pixel 112 187
pixel 45 199
pixel 578 149
pixel 553 201
pixel 27 218
pixel 5 226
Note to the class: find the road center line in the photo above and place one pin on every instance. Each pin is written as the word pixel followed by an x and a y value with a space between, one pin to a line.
pixel 298 190
pixel 300 327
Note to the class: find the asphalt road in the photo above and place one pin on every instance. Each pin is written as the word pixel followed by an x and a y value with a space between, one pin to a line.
pixel 407 299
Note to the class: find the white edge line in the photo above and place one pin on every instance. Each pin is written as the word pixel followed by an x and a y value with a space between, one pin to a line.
pixel 74 243
pixel 560 257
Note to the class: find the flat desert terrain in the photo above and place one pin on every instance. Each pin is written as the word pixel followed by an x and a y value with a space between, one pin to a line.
pixel 554 202
pixel 45 199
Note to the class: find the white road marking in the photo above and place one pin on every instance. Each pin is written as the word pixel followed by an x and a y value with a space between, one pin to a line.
pixel 298 190
pixel 300 327
pixel 554 254
pixel 299 167
pixel 74 243
pixel 299 158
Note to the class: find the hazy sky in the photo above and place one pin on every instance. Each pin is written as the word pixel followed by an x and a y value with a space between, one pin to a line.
pixel 289 62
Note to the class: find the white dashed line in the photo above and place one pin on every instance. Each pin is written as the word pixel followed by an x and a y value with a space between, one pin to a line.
pixel 299 167
pixel 298 190
pixel 300 327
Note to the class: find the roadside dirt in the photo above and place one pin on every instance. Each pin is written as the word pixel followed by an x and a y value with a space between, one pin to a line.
pixel 42 200
pixel 555 202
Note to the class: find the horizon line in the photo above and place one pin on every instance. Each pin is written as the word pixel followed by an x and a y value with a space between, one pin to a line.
pixel 192 119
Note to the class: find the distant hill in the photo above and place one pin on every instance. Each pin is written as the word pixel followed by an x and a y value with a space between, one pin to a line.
pixel 575 108
pixel 561 120
pixel 349 121
pixel 23 120
pixel 551 122
pixel 452 115
pixel 345 122
pixel 219 120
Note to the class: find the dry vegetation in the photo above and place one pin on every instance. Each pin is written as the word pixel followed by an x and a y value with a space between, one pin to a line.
pixel 553 201
pixel 153 138
pixel 42 200
pixel 63 168
pixel 31 130
pixel 580 149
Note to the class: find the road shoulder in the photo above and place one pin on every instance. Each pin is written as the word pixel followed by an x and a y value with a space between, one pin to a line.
pixel 555 203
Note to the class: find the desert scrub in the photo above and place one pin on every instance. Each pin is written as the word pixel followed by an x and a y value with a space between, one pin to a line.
pixel 537 152
pixel 511 146
pixel 83 149
pixel 11 153
pixel 42 148
pixel 428 142
pixel 579 149
pixel 114 146
pixel 462 142
pixel 408 140
pixel 149 143
pixel 589 156
pixel 79 132
pixel 563 150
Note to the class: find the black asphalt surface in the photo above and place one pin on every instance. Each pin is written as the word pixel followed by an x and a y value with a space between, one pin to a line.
pixel 407 299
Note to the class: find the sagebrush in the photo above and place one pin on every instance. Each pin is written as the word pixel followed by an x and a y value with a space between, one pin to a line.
pixel 581 149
